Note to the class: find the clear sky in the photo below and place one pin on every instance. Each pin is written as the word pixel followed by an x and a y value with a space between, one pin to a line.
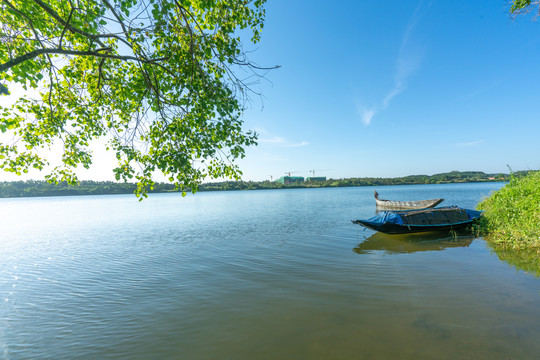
pixel 393 88
pixel 385 89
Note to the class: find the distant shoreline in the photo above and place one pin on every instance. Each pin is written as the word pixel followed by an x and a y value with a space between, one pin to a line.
pixel 33 188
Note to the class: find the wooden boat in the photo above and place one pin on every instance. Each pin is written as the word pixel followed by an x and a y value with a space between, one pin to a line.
pixel 412 221
pixel 405 205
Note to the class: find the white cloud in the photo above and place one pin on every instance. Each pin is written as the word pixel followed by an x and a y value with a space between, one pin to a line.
pixel 274 140
pixel 279 140
pixel 408 61
pixel 303 143
pixel 367 115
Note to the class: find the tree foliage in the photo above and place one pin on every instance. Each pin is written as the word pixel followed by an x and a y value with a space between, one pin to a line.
pixel 164 81
pixel 525 6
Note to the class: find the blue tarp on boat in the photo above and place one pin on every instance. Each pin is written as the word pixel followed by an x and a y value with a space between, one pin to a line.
pixel 395 222
pixel 390 217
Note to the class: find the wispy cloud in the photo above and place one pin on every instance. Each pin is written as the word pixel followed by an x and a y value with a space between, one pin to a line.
pixel 367 115
pixel 470 143
pixel 408 61
pixel 303 143
pixel 409 57
pixel 274 140
pixel 282 142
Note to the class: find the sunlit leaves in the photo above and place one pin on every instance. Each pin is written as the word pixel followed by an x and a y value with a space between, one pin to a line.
pixel 155 77
pixel 519 5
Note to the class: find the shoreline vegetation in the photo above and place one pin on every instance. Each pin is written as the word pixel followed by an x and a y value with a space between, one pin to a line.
pixel 512 214
pixel 39 188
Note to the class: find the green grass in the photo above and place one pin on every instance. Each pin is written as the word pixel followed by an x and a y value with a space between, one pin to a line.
pixel 512 214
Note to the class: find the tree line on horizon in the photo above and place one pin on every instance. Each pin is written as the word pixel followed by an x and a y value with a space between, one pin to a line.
pixel 37 188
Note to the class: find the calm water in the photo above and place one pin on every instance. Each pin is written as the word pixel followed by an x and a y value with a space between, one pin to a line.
pixel 254 275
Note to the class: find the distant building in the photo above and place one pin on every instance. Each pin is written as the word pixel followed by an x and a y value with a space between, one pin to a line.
pixel 316 178
pixel 287 180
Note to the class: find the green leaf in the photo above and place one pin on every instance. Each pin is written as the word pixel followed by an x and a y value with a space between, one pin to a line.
pixel 167 95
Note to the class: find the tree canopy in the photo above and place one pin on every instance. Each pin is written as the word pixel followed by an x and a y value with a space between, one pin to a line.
pixel 525 6
pixel 164 81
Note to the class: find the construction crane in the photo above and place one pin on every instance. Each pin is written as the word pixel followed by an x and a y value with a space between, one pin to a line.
pixel 313 171
pixel 291 172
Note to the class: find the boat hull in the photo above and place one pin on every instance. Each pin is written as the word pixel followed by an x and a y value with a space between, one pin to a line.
pixel 406 205
pixel 414 221
pixel 394 229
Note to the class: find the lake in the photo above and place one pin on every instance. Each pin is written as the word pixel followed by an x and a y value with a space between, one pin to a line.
pixel 275 274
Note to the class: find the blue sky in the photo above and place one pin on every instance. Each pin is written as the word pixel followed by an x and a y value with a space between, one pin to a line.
pixel 387 89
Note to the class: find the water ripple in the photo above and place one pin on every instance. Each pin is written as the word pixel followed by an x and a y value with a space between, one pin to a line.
pixel 248 275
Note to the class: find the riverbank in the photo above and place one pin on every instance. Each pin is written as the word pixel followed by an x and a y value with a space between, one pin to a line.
pixel 34 188
pixel 512 214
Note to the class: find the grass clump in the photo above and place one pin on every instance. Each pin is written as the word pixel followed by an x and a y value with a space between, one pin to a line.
pixel 512 214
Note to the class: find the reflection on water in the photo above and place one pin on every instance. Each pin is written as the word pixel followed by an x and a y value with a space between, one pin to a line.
pixel 522 259
pixel 409 243
pixel 253 275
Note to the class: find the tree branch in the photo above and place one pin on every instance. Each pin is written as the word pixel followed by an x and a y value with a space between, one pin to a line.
pixel 120 22
pixel 65 27
pixel 28 56
pixel 71 28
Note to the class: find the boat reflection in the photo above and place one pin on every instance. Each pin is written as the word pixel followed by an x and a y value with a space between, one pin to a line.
pixel 409 243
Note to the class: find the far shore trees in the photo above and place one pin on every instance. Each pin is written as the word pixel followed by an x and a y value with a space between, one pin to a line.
pixel 164 81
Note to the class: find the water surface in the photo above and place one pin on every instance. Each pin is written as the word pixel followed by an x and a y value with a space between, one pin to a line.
pixel 280 274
